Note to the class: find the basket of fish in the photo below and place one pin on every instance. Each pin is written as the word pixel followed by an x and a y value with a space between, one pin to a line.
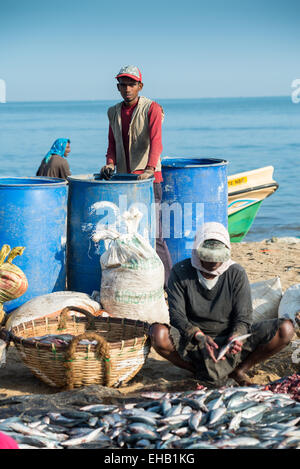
pixel 71 350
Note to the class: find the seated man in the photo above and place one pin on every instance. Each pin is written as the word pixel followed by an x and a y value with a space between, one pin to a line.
pixel 210 303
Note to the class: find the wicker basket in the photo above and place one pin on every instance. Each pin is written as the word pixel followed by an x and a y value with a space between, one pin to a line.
pixel 122 348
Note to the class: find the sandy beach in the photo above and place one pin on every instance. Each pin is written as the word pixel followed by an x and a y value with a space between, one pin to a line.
pixel 262 261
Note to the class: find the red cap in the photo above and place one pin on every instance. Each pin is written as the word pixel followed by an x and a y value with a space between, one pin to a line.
pixel 130 71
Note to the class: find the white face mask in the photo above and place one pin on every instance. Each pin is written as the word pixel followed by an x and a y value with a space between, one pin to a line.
pixel 207 283
pixel 211 230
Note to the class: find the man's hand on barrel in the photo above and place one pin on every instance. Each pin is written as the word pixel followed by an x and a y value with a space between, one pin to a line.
pixel 148 173
pixel 107 171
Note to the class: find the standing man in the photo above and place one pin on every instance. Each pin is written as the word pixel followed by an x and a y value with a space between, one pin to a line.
pixel 135 143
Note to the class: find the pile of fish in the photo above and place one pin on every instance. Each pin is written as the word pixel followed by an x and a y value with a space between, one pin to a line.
pixel 230 417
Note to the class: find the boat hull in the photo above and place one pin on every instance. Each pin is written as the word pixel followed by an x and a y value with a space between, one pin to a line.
pixel 239 222
pixel 246 192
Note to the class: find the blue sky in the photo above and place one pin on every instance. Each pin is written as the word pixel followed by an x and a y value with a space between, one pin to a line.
pixel 71 50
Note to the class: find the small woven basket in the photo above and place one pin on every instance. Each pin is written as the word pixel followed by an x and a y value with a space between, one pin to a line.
pixel 121 350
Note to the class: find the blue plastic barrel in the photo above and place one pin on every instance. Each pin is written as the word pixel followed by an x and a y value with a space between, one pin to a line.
pixel 33 214
pixel 94 203
pixel 194 191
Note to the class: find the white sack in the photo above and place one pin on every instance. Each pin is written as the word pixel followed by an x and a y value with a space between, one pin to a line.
pixel 132 281
pixel 266 296
pixel 289 306
pixel 46 305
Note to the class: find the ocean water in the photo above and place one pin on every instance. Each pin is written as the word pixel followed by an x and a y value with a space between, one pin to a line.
pixel 248 132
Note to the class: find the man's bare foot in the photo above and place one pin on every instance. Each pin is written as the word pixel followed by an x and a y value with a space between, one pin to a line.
pixel 241 378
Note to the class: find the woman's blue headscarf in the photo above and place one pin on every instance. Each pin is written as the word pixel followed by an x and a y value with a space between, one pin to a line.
pixel 58 148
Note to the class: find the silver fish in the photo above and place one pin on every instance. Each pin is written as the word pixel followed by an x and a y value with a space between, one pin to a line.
pixel 175 419
pixel 35 441
pixel 165 406
pixel 25 430
pixel 268 433
pixel 108 420
pixel 5 424
pixel 168 444
pixel 79 431
pixel 236 399
pixel 76 414
pixel 174 410
pixel 291 423
pixel 61 420
pixel 137 427
pixel 194 420
pixel 154 395
pixel 143 443
pixel 290 442
pixel 292 432
pixel 99 408
pixel 166 436
pixel 270 443
pixel 201 445
pixel 181 431
pixel 242 406
pixel 142 418
pixel 187 410
pixel 235 422
pixel 134 437
pixel 25 446
pixel 38 424
pixel 143 412
pixel 83 439
pixel 226 347
pixel 238 441
pixel 216 415
pixel 215 403
pixel 185 442
pixel 289 410
pixel 93 421
pixel 255 410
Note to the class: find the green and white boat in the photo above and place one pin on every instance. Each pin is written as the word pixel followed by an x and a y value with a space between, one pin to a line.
pixel 246 192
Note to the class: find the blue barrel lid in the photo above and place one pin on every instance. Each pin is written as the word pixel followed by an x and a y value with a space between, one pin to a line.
pixel 116 178
pixel 192 162
pixel 31 182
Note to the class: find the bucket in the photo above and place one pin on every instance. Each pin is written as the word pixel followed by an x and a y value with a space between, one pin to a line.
pixel 95 203
pixel 33 214
pixel 194 192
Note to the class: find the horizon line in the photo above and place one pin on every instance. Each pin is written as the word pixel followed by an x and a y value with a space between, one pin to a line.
pixel 164 99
